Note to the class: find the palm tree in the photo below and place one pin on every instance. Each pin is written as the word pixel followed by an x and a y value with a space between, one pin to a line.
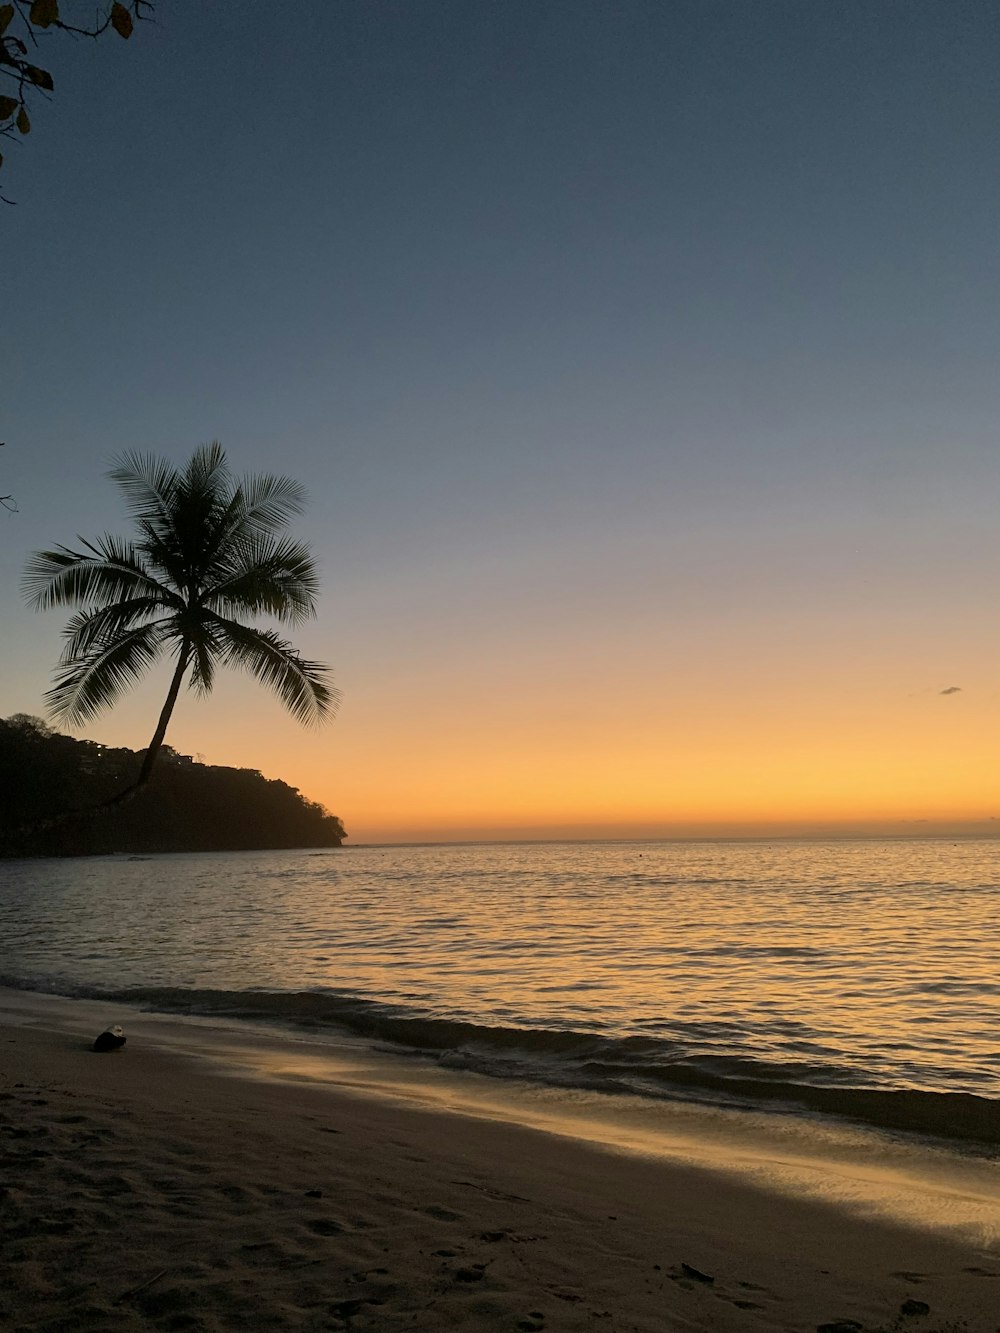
pixel 210 551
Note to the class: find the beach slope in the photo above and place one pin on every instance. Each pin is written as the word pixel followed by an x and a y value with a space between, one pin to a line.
pixel 146 1190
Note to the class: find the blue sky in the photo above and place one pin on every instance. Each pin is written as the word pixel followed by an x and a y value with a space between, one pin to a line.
pixel 597 332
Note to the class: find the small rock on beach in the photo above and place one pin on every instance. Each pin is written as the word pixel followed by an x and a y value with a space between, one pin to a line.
pixel 111 1039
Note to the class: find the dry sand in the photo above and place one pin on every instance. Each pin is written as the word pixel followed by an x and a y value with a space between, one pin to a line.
pixel 148 1190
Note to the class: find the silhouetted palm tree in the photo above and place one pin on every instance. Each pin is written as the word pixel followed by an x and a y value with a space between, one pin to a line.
pixel 210 551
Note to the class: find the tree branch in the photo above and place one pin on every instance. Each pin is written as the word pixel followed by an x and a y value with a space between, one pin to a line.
pixel 30 18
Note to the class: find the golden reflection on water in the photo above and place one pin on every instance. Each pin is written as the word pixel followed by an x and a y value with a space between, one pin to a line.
pixel 852 963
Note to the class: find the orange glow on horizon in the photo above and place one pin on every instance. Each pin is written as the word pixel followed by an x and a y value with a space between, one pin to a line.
pixel 737 753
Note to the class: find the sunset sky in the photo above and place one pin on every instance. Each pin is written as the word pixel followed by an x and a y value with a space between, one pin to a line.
pixel 641 363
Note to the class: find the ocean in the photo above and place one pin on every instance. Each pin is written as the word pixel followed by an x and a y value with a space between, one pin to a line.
pixel 850 979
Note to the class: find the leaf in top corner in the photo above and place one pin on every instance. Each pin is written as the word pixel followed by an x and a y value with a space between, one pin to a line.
pixel 121 20
pixel 23 123
pixel 6 14
pixel 41 78
pixel 8 105
pixel 43 13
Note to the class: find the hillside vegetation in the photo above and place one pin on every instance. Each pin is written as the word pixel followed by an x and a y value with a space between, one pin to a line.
pixel 186 807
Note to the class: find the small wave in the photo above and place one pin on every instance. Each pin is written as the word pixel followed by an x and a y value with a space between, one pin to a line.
pixel 643 1065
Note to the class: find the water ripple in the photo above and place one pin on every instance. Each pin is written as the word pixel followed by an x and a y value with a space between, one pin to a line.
pixel 865 964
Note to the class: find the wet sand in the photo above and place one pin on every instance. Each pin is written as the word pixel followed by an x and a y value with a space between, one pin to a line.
pixel 154 1189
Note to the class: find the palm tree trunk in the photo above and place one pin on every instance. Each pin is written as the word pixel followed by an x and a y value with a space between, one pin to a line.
pixel 149 758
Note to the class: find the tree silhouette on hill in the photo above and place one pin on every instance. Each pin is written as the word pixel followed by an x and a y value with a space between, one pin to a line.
pixel 211 552
pixel 186 807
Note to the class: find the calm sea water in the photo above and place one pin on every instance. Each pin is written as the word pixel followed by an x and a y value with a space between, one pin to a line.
pixel 853 978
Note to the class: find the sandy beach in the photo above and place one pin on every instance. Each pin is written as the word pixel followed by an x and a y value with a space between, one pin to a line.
pixel 153 1189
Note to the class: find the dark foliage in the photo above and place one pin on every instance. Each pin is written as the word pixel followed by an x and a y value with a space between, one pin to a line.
pixel 25 28
pixel 186 807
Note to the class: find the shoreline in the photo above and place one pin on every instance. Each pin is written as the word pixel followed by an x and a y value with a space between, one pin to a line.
pixel 959 1120
pixel 208 1178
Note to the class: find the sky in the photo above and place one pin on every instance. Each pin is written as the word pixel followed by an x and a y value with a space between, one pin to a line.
pixel 640 363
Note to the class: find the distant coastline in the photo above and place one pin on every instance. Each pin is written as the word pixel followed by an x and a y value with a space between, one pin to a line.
pixel 973 831
pixel 187 806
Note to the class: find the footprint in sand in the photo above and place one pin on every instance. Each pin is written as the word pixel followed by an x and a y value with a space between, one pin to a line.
pixel 690 1278
pixel 346 1309
pixel 912 1307
pixel 687 1275
pixel 234 1193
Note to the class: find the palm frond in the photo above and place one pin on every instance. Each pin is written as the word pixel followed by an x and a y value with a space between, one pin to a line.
pixel 208 471
pixel 269 502
pixel 148 483
pixel 102 675
pixel 162 551
pixel 188 546
pixel 266 577
pixel 175 509
pixel 203 669
pixel 207 646
pixel 106 571
pixel 301 685
pixel 260 506
pixel 103 625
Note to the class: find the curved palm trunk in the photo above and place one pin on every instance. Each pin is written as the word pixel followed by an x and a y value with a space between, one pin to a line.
pixel 149 758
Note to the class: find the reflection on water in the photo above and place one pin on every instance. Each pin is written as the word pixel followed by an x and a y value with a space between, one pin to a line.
pixel 839 965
